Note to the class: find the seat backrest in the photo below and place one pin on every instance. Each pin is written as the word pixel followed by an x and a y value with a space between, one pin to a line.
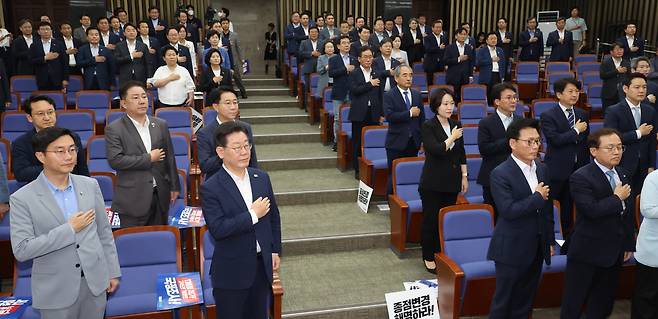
pixel 24 85
pixel 594 91
pixel 552 67
pixel 540 106
pixel 418 67
pixel 97 155
pixel 374 142
pixel 557 226
pixel 428 112
pixel 181 144
pixel 106 182
pixel 93 100
pixel 527 68
pixel 591 77
pixel 327 103
pixel 439 78
pixel 22 278
pixel 583 67
pixel 58 97
pixel 470 135
pixel 209 114
pixel 14 124
pixel 419 80
pixel 580 58
pixel 315 78
pixel 470 110
pixel 465 232
pixel 474 93
pixel 344 113
pixel 179 119
pixel 595 126
pixel 80 121
pixel 6 155
pixel 406 177
pixel 473 167
pixel 113 115
pixel 206 251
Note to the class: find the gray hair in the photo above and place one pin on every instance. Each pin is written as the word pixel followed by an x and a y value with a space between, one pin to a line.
pixel 398 71
pixel 636 61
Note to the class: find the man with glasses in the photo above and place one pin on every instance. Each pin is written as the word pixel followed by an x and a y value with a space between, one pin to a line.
pixel 523 236
pixel 25 166
pixel 139 148
pixel 603 237
pixel 225 103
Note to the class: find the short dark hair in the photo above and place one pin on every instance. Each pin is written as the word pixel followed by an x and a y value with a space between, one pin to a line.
pixel 139 24
pixel 344 37
pixel 37 98
pixel 395 36
pixel 226 129
pixel 172 27
pixel 628 79
pixel 181 26
pixel 398 15
pixel 128 24
pixel 119 10
pixel 385 40
pixel 514 129
pixel 209 53
pixel 123 90
pixel 630 23
pixel 437 21
pixel 210 33
pixel 594 138
pixel 364 49
pixel 21 22
pixel 90 29
pixel 43 24
pixel 360 17
pixel 378 19
pixel 437 96
pixel 365 27
pixel 561 84
pixel 318 17
pixel 460 30
pixel 530 19
pixel 179 12
pixel 497 89
pixel 313 28
pixel 215 94
pixel 491 33
pixel 501 18
pixel 560 19
pixel 227 12
pixel 64 23
pixel 85 15
pixel 464 23
pixel 46 136
pixel 154 8
pixel 617 44
pixel 113 18
pixel 349 16
pixel 224 19
pixel 168 47
pixel 101 19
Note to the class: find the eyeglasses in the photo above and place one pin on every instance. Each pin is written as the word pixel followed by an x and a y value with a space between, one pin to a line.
pixel 610 148
pixel 237 149
pixel 43 114
pixel 531 142
pixel 60 152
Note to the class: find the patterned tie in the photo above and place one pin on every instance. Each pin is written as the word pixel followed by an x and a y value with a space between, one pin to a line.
pixel 636 116
pixel 571 118
pixel 406 99
pixel 611 179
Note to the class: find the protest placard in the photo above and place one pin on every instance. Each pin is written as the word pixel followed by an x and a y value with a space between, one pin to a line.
pixel 176 290
pixel 13 307
pixel 416 304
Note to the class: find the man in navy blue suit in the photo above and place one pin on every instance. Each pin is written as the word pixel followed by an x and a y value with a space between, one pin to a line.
pixel 184 58
pixel 633 45
pixel 404 111
pixel 492 137
pixel 108 39
pixel 561 43
pixel 243 218
pixel 459 57
pixel 531 42
pixel 492 62
pixel 51 63
pixel 613 69
pixel 340 67
pixel 523 236
pixel 435 44
pixel 225 102
pixel 565 129
pixel 504 38
pixel 97 62
pixel 635 121
pixel 384 66
pixel 157 26
pixel 604 234
pixel 292 45
pixel 362 40
pixel 366 101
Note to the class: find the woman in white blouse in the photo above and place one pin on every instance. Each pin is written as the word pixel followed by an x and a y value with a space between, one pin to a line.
pixel 174 83
pixel 398 54
pixel 182 33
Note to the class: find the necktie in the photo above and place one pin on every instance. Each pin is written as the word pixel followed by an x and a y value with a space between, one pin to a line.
pixel 636 115
pixel 406 99
pixel 571 118
pixel 611 179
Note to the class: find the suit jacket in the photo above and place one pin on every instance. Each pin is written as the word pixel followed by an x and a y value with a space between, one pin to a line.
pixel 80 34
pixel 531 51
pixel 401 125
pixel 182 51
pixel 338 71
pixel 135 171
pixel 104 70
pixel 507 47
pixel 354 34
pixel 4 86
pixel 567 150
pixel 209 162
pixel 305 50
pixel 26 167
pixel 292 44
pixel 355 48
pixel 458 72
pixel 324 34
pixel 321 69
pixel 128 66
pixel 375 43
pixel 637 42
pixel 492 144
pixel 560 51
pixel 207 83
pixel 365 99
pixel 113 39
pixel 40 233
pixel 525 219
pixel 414 51
pixel 611 78
pixel 53 71
pixel 20 55
pixel 379 67
pixel 640 153
pixel 154 44
pixel 441 164
pixel 602 233
pixel 300 36
pixel 433 61
pixel 192 32
pixel 235 52
pixel 229 222
pixel 160 35
pixel 484 61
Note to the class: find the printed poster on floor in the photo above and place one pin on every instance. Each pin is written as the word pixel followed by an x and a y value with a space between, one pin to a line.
pixel 363 198
pixel 176 290
pixel 13 307
pixel 416 304
pixel 423 284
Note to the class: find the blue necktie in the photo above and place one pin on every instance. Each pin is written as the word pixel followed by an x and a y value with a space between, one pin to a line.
pixel 611 179
pixel 406 99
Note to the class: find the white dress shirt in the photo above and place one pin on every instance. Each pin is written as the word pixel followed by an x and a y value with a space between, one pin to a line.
pixel 630 41
pixel 69 45
pixel 411 101
pixel 446 129
pixel 175 92
pixel 131 47
pixel 560 34
pixel 29 40
pixel 617 62
pixel 461 47
pixel 529 172
pixel 244 186
pixel 346 59
pixel 305 30
pixel 502 35
pixel 639 111
pixel 366 73
pixel 507 120
pixel 144 135
pixel 438 39
pixel 106 38
pixel 46 46
pixel 399 29
pixel 190 46
pixel 146 41
pixel 493 54
pixel 387 67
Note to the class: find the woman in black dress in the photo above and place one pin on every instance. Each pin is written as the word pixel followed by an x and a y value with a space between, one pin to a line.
pixel 215 75
pixel 270 48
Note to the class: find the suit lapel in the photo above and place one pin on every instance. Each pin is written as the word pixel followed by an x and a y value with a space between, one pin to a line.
pixel 154 131
pixel 519 176
pixel 47 199
pixel 82 195
pixel 256 185
pixel 229 185
pixel 132 131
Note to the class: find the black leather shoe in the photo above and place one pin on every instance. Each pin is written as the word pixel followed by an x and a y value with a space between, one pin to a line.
pixel 334 147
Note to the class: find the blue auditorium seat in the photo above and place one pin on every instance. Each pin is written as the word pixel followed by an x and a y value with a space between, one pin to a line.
pixel 181 143
pixel 527 72
pixel 471 112
pixel 97 101
pixel 179 119
pixel 595 96
pixel 474 193
pixel 97 155
pixel 405 202
pixel 106 183
pixel 474 93
pixel 470 137
pixel 373 165
pixel 81 122
pixel 23 85
pixel 540 106
pixel 14 124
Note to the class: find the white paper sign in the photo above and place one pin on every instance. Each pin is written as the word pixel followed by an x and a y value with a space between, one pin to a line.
pixel 423 284
pixel 416 304
pixel 363 198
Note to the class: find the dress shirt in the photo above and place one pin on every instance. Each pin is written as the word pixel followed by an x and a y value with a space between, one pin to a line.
pixel 577 34
pixel 190 46
pixel 380 36
pixel 646 252
pixel 617 62
pixel 244 186
pixel 305 30
pixel 507 120
pixel 438 39
pixel 28 40
pixel 639 111
pixel 154 22
pixel 331 32
pixel 502 35
pixel 531 33
pixel 94 50
pixel 366 73
pixel 413 34
pixel 144 135
pixel 65 198
pixel 174 92
pixel 399 29
pixel 422 28
pixel 314 44
pixel 529 172
pixel 146 41
pixel 408 92
pixel 446 129
pixel 560 34
pixel 106 38
pixel 630 41
pixel 460 48
pixel 387 67
pixel 566 114
pixel 69 45
pixel 346 59
pixel 616 177
pixel 46 46
pixel 493 54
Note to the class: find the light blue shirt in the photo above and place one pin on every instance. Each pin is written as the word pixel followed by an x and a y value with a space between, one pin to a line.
pixel 46 46
pixel 647 239
pixel 616 177
pixel 65 198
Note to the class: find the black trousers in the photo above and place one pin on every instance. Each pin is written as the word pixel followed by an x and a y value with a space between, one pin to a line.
pixel 250 303
pixel 432 203
pixel 488 199
pixel 591 285
pixel 645 298
pixel 516 287
pixel 495 79
pixel 411 150
pixel 560 192
pixel 356 139
pixel 156 215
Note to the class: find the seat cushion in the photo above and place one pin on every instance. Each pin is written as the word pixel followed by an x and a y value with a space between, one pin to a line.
pixel 139 303
pixel 558 264
pixel 479 269
pixel 380 163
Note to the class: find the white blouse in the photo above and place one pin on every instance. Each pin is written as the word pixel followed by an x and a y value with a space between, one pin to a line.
pixel 174 92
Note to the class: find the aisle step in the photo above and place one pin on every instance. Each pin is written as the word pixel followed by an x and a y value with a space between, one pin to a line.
pixel 268 102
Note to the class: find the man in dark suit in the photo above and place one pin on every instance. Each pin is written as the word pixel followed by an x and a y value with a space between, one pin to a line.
pixel 561 43
pixel 20 49
pixel 301 32
pixel 636 123
pixel 613 69
pixel 97 62
pixel 398 27
pixel 492 62
pixel 71 46
pixel 225 103
pixel 25 166
pixel 309 51
pixel 531 42
pixel 404 111
pixel 242 216
pixel 604 234
pixel 157 26
pixel 362 41
pixel 51 63
pixel 384 66
pixel 435 44
pixel 359 23
pixel 459 57
pixel 340 67
pixel 565 129
pixel 80 32
pixel 365 98
pixel 132 57
pixel 492 137
pixel 504 41
pixel 523 236
pixel 192 30
pixel 292 45
pixel 5 98
pixel 139 148
pixel 377 36
pixel 108 38
pixel 152 43
pixel 184 58
pixel 633 45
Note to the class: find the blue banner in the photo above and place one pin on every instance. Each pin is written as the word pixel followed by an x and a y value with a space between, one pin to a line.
pixel 13 307
pixel 187 216
pixel 177 290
